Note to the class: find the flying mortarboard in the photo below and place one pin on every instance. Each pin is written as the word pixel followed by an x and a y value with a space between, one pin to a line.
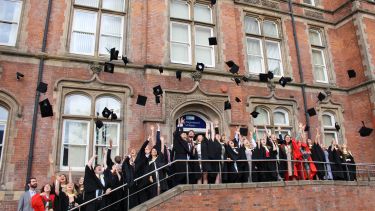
pixel 99 123
pixel 254 114
pixel 141 100
pixel 213 2
pixel 212 41
pixel 113 54
pixel 227 105
pixel 45 108
pixel 161 70
pixel 307 128
pixel 352 74
pixel 321 96
pixel 270 75
pixel 106 112
pixel 238 100
pixel 19 75
pixel 284 80
pixel 237 80
pixel 365 131
pixel 157 99
pixel 311 112
pixel 234 68
pixel 109 67
pixel 125 60
pixel 244 131
pixel 199 67
pixel 178 75
pixel 42 87
pixel 263 77
pixel 158 90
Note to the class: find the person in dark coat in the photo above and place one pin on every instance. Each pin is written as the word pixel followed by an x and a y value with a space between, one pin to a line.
pixel 114 179
pixel 200 152
pixel 334 157
pixel 317 155
pixel 347 159
pixel 214 153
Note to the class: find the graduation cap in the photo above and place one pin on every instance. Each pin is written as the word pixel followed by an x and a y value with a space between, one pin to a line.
pixel 19 75
pixel 311 112
pixel 125 60
pixel 161 70
pixel 244 131
pixel 254 114
pixel 45 108
pixel 337 126
pixel 99 123
pixel 199 67
pixel 109 67
pixel 245 79
pixel 227 105
pixel 233 67
pixel 352 74
pixel 270 75
pixel 238 100
pixel 157 99
pixel 178 75
pixel 106 112
pixel 237 80
pixel 263 77
pixel 365 131
pixel 141 100
pixel 307 128
pixel 42 87
pixel 284 80
pixel 158 90
pixel 213 2
pixel 321 96
pixel 113 54
pixel 217 130
pixel 212 41
pixel 113 116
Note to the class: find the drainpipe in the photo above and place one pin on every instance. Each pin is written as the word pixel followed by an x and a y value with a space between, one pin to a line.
pixel 37 95
pixel 300 69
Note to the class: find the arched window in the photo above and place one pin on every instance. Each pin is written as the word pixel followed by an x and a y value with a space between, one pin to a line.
pixel 3 125
pixel 109 102
pixel 77 104
pixel 263 117
pixel 330 132
pixel 280 117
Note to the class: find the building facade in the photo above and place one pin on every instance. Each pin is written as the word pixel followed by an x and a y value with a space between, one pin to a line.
pixel 64 43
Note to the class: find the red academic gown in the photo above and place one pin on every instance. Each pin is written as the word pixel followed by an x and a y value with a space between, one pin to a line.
pixel 37 202
pixel 296 155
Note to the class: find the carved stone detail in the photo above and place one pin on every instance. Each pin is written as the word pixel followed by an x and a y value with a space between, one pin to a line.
pixel 265 3
pixel 197 76
pixel 314 14
pixel 96 68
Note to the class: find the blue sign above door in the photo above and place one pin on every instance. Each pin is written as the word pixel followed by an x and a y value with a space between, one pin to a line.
pixel 193 122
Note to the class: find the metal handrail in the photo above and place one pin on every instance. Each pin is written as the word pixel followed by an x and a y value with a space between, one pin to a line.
pixel 194 160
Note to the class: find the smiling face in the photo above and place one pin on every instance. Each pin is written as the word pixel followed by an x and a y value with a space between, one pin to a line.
pixel 70 187
pixel 184 136
pixel 191 134
pixel 273 137
pixel 154 152
pixel 81 180
pixel 231 144
pixel 98 169
pixel 47 188
pixel 200 138
pixel 263 141
pixel 133 153
pixel 63 179
pixel 287 139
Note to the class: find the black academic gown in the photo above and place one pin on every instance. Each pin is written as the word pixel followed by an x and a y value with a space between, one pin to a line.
pixel 317 154
pixel 214 153
pixel 181 151
pixel 91 184
pixel 337 170
pixel 271 166
pixel 141 163
pixel 237 169
pixel 258 167
pixel 128 172
pixel 350 173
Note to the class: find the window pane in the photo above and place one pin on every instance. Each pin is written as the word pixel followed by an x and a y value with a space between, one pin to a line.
pixel 318 58
pixel 77 105
pixel 202 13
pixel 74 156
pixel 110 103
pixel 82 43
pixel 2 134
pixel 311 2
pixel 81 20
pixel 117 5
pixel 179 9
pixel 180 33
pixel 254 47
pixel 315 38
pixel 8 33
pixel 202 35
pixel 251 25
pixel 274 66
pixel 279 118
pixel 327 121
pixel 255 64
pixel 180 53
pixel 270 29
pixel 75 132
pixel 273 50
pixel 110 33
pixel 10 10
pixel 204 55
pixel 320 73
pixel 3 114
pixel 262 118
pixel 107 132
pixel 328 137
pixel 90 3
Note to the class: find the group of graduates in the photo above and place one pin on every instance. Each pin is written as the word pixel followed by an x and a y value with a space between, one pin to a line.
pixel 210 158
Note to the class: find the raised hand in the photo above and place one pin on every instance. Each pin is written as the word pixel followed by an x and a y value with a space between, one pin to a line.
pixel 110 143
pixel 158 126
pixel 50 159
pixel 149 138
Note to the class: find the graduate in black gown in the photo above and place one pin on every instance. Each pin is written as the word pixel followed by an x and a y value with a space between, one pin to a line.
pixel 200 152
pixel 182 151
pixel 237 168
pixel 214 153
pixel 317 154
pixel 334 157
pixel 95 185
pixel 347 159
pixel 128 172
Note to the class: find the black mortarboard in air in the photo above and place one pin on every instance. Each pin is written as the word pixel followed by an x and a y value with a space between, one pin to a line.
pixel 352 74
pixel 161 70
pixel 113 54
pixel 270 75
pixel 212 41
pixel 199 66
pixel 125 60
pixel 157 99
pixel 311 112
pixel 213 2
pixel 244 131
pixel 284 80
pixel 237 80
pixel 227 105
pixel 158 90
pixel 45 108
pixel 321 96
pixel 141 100
pixel 238 100
pixel 263 77
pixel 113 116
pixel 42 87
pixel 99 123
pixel 365 131
pixel 109 67
pixel 106 112
pixel 234 68
pixel 307 128
pixel 254 114
pixel 178 75
pixel 19 75
pixel 216 130
pixel 337 126
pixel 245 79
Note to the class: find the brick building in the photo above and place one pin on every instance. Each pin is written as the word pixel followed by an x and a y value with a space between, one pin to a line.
pixel 63 43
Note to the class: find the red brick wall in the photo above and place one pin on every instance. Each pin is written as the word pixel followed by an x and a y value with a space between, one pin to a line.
pixel 317 197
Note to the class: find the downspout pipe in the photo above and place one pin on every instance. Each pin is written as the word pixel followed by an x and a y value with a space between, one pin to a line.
pixel 300 69
pixel 37 95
